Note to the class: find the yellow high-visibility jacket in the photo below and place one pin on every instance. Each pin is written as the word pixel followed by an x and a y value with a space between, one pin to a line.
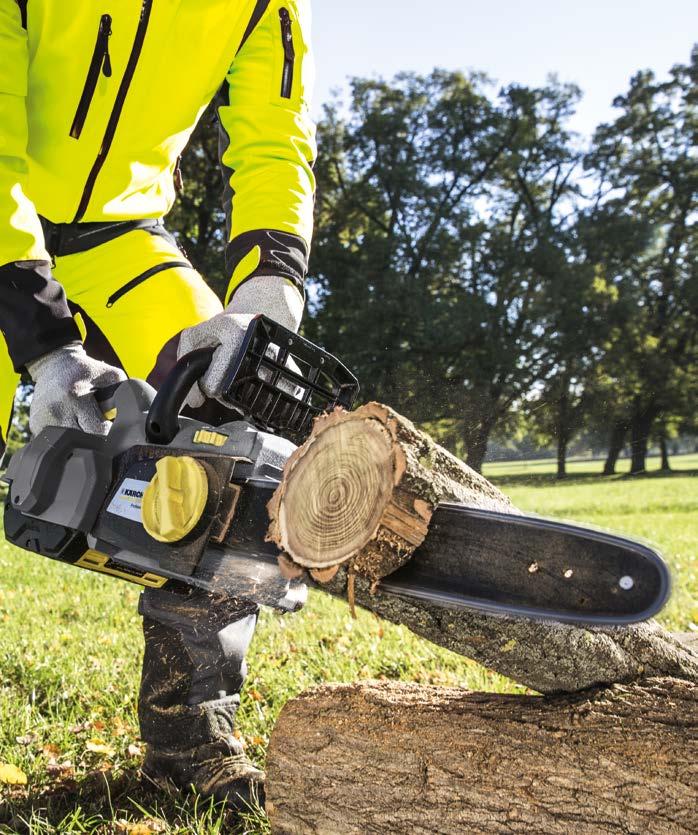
pixel 97 102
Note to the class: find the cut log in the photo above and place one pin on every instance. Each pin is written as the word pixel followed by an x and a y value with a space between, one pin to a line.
pixel 362 489
pixel 400 758
pixel 360 492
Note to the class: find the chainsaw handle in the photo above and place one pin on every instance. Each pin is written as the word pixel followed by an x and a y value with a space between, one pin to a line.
pixel 162 423
pixel 105 400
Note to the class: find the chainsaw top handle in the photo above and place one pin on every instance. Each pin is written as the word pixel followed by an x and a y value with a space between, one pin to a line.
pixel 162 423
pixel 279 382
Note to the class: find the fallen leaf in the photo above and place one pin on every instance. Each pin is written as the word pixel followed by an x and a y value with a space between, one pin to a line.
pixel 26 739
pixel 11 775
pixel 98 725
pixel 121 728
pixel 50 750
pixel 256 695
pixel 134 751
pixel 99 746
pixel 148 827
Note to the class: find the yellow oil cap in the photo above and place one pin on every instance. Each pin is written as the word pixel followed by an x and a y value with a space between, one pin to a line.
pixel 175 499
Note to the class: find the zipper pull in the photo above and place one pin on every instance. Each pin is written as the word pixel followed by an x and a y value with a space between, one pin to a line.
pixel 289 50
pixel 105 31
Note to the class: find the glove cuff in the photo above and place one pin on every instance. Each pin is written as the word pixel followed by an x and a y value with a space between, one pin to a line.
pixel 46 362
pixel 274 296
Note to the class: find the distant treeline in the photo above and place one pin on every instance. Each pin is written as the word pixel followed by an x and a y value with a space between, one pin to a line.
pixel 491 274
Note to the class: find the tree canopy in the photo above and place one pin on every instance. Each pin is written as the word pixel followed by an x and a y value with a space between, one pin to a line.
pixel 481 267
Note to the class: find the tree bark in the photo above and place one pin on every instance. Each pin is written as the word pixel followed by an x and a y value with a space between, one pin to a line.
pixel 390 757
pixel 615 447
pixel 545 656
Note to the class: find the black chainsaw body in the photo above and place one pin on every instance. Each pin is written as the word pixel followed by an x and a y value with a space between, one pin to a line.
pixel 76 497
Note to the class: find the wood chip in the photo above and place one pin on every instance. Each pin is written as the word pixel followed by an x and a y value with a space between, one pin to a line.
pixel 324 575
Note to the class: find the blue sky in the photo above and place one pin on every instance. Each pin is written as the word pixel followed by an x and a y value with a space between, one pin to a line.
pixel 596 44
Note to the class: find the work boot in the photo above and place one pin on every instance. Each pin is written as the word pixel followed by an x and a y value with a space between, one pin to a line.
pixel 219 770
pixel 193 670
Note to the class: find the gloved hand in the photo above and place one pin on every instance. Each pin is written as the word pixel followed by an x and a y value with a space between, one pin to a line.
pixel 64 385
pixel 273 296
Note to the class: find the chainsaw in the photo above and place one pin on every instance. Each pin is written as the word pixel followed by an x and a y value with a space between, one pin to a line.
pixel 167 501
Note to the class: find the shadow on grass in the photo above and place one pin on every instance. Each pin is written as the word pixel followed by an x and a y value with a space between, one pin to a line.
pixel 108 802
pixel 551 480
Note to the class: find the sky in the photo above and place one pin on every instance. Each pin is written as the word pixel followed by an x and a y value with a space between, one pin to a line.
pixel 598 45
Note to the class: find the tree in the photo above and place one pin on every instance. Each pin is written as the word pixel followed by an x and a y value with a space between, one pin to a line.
pixel 648 191
pixel 577 319
pixel 442 214
pixel 396 181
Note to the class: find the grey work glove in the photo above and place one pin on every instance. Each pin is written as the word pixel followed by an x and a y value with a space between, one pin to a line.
pixel 64 384
pixel 273 296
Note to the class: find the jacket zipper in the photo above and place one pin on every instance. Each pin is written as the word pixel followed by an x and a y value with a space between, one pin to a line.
pixel 144 276
pixel 177 176
pixel 100 61
pixel 289 53
pixel 146 7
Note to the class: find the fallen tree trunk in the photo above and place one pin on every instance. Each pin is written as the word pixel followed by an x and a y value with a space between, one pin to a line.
pixel 547 657
pixel 355 503
pixel 400 758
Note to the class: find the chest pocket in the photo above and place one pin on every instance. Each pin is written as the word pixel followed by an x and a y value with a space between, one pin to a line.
pixel 293 76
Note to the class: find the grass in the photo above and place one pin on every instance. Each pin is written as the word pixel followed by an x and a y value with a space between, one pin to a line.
pixel 70 648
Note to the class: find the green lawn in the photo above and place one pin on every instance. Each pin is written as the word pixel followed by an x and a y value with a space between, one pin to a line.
pixel 70 652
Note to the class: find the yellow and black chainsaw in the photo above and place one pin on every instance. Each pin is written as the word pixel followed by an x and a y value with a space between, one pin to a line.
pixel 168 501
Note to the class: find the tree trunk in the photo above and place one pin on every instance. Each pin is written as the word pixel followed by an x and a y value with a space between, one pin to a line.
pixel 615 447
pixel 390 757
pixel 476 439
pixel 640 428
pixel 563 427
pixel 334 507
pixel 562 442
pixel 666 464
